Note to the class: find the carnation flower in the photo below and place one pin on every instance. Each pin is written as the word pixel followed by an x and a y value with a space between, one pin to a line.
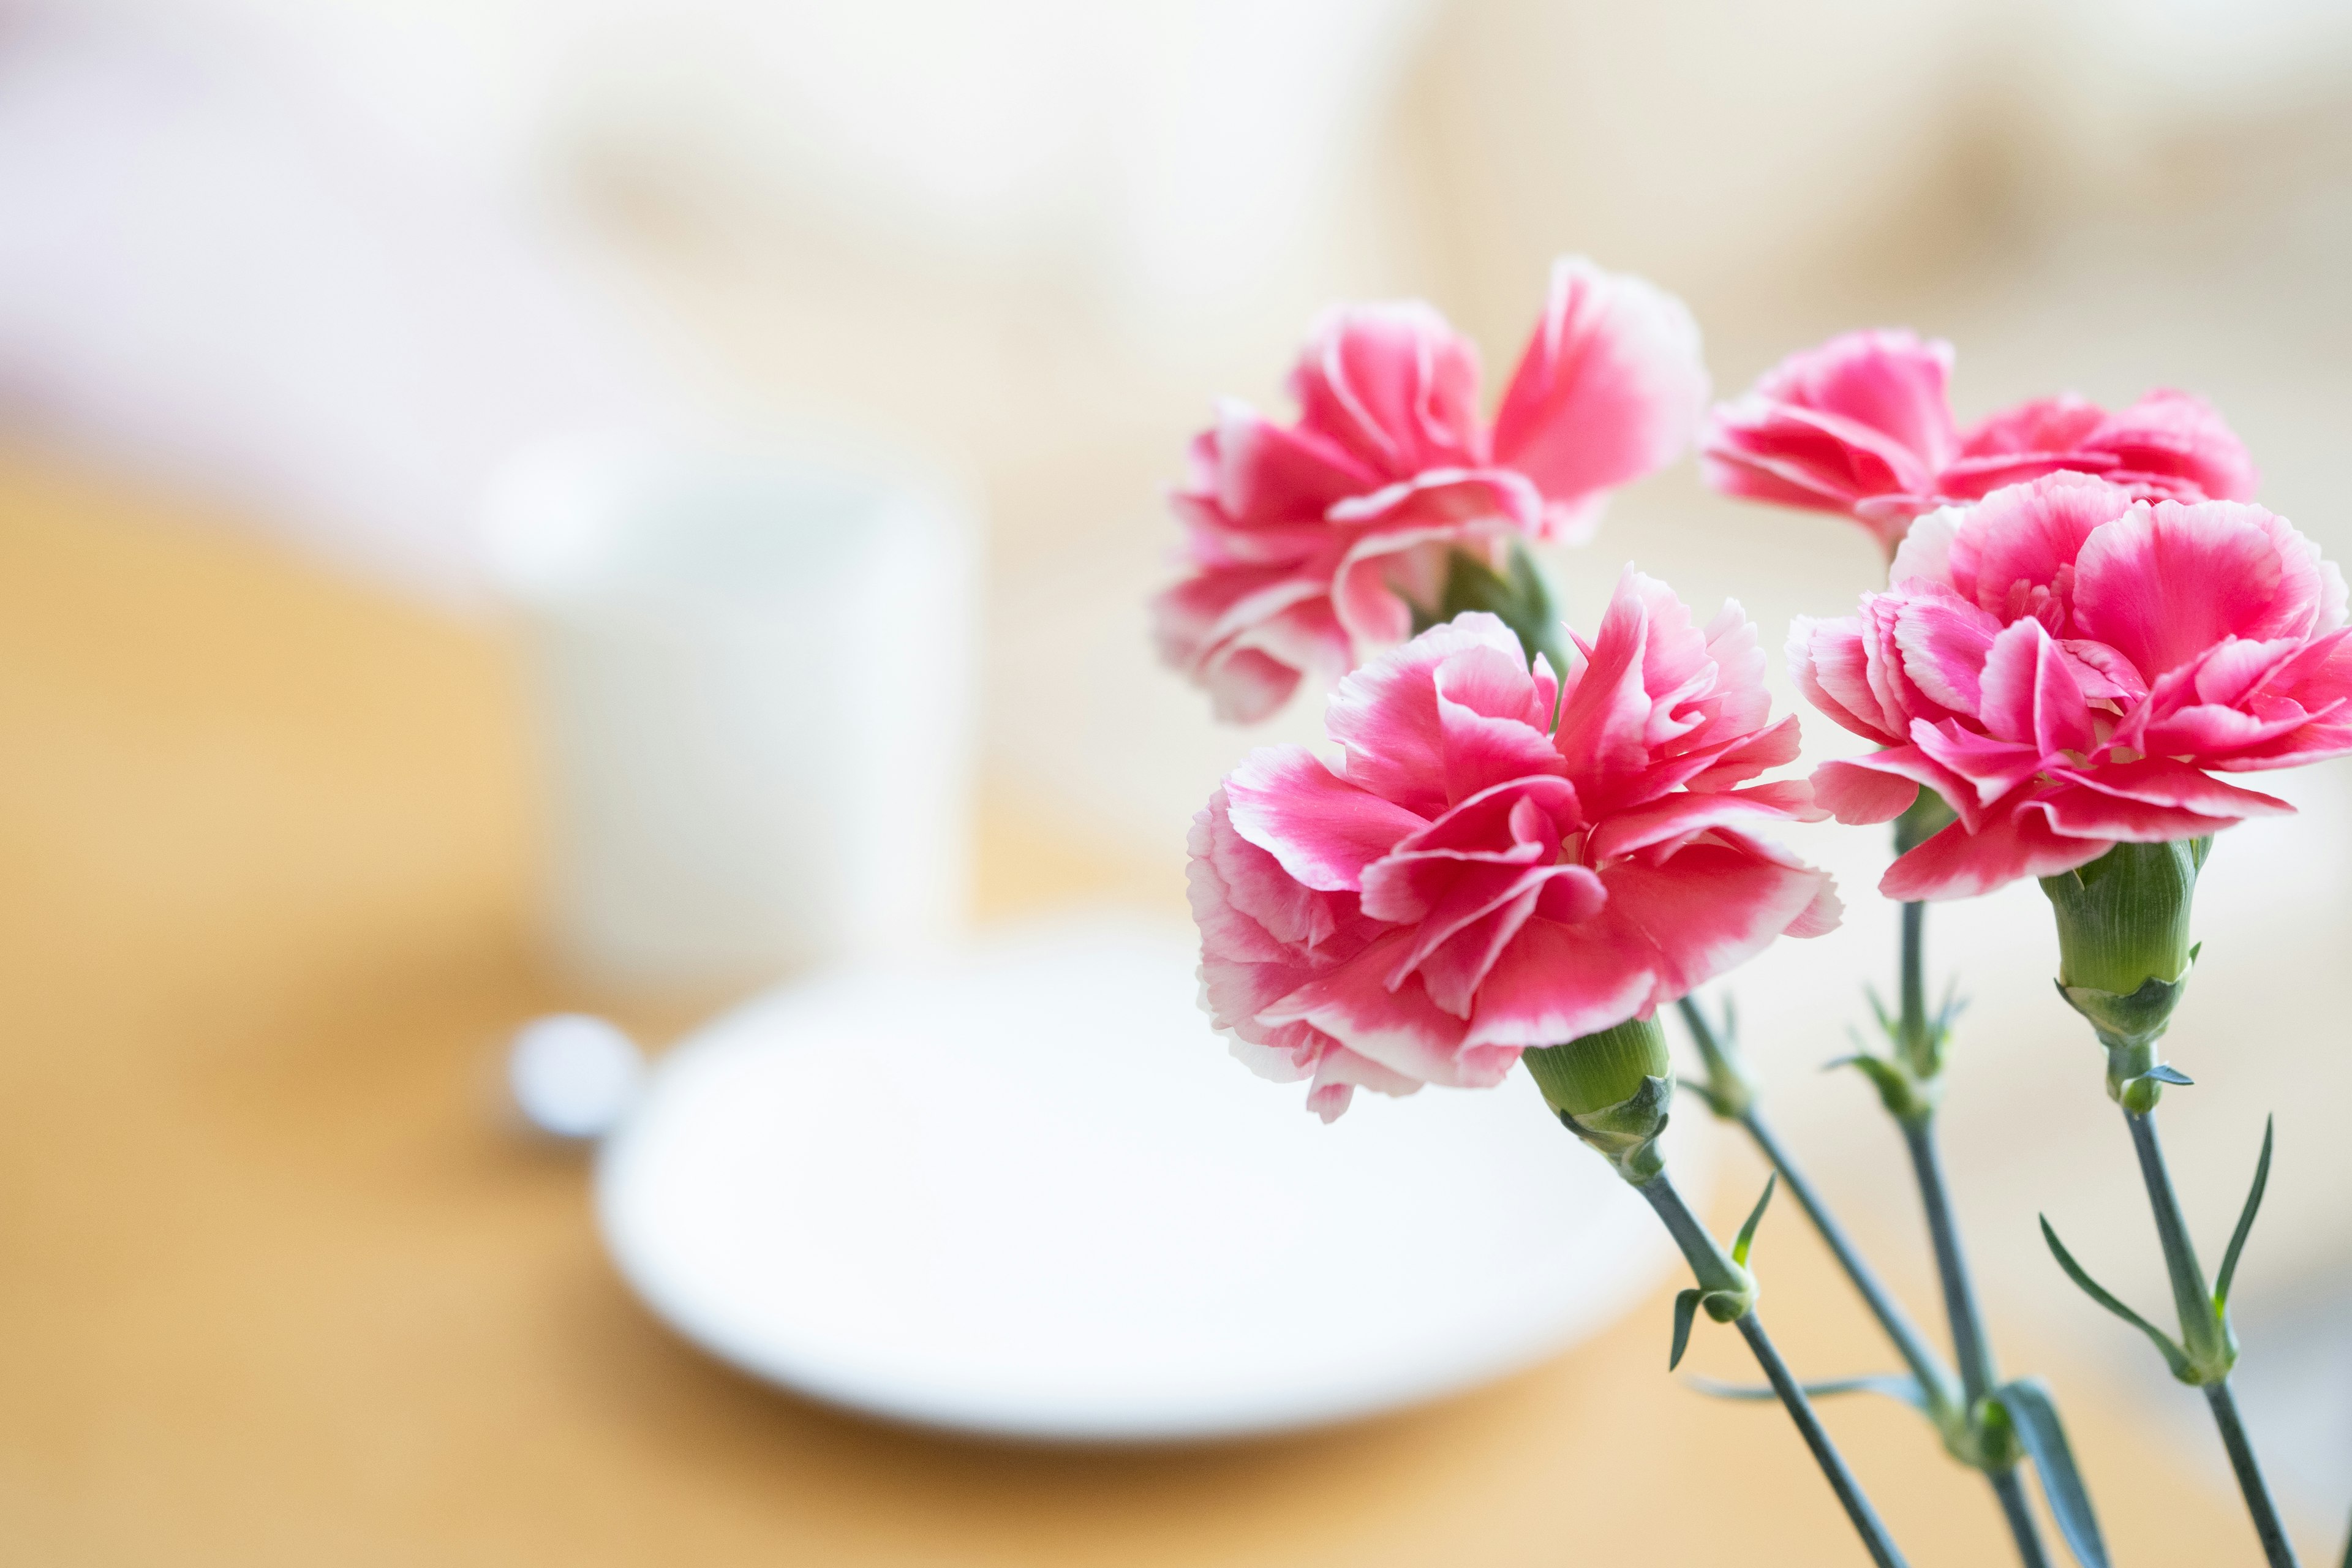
pixel 1472 880
pixel 2067 666
pixel 1862 425
pixel 1309 545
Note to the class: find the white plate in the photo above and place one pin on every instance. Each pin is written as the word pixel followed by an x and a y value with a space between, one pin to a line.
pixel 1025 1191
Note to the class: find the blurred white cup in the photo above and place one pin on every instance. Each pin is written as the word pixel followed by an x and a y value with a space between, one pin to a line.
pixel 753 670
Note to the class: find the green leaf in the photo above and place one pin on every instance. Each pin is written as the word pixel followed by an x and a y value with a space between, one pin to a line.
pixel 2035 1416
pixel 1894 1385
pixel 1747 1236
pixel 2174 1356
pixel 2164 1072
pixel 2245 1219
pixel 1685 1308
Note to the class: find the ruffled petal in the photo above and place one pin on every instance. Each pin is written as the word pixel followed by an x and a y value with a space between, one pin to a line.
pixel 1610 387
pixel 1958 864
pixel 1393 386
pixel 1324 829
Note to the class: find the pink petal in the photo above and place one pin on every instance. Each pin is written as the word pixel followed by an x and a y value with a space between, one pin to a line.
pixel 2045 425
pixel 1684 814
pixel 1831 665
pixel 1855 792
pixel 1402 1030
pixel 2172 435
pixel 1767 748
pixel 1340 1072
pixel 2031 695
pixel 1863 416
pixel 2161 780
pixel 2079 812
pixel 1610 388
pixel 1258 471
pixel 2166 583
pixel 1945 642
pixel 1993 767
pixel 1558 983
pixel 1392 386
pixel 2024 537
pixel 1323 830
pixel 1957 863
pixel 1386 715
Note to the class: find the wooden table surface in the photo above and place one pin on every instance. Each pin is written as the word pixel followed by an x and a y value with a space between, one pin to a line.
pixel 278 1285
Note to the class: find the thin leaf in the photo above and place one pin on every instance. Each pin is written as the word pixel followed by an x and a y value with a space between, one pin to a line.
pixel 1685 1308
pixel 2035 1416
pixel 1730 1021
pixel 1747 1236
pixel 1895 1386
pixel 1878 1006
pixel 2246 1218
pixel 2174 1356
pixel 2164 1072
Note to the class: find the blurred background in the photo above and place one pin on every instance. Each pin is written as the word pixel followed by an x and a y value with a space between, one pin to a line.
pixel 284 287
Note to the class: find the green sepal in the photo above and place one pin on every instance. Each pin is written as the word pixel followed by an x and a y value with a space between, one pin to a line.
pixel 2245 1224
pixel 1722 1306
pixel 1730 1090
pixel 1626 1133
pixel 2175 1358
pixel 1899 1386
pixel 1908 1099
pixel 1517 597
pixel 2033 1414
pixel 1685 1308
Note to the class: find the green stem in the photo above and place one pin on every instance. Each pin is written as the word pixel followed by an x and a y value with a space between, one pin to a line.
pixel 1969 1347
pixel 2206 1338
pixel 2276 1547
pixel 1712 1267
pixel 1865 1519
pixel 1935 1379
pixel 1914 992
pixel 2009 1488
pixel 2199 1325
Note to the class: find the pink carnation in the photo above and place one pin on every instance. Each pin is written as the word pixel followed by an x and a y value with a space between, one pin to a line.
pixel 2067 666
pixel 1473 882
pixel 1862 425
pixel 1301 537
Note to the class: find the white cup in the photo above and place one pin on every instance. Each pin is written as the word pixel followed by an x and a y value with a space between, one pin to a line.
pixel 754 677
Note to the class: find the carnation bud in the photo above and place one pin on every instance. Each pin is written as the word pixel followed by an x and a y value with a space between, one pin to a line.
pixel 2124 952
pixel 1612 1090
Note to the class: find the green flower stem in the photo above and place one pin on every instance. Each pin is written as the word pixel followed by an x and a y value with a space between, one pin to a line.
pixel 1918 1040
pixel 1714 1270
pixel 1936 1381
pixel 2009 1486
pixel 2207 1338
pixel 1915 1043
pixel 1969 1347
pixel 2276 1547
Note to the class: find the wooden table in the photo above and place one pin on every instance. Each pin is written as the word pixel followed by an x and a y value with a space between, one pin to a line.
pixel 278 1286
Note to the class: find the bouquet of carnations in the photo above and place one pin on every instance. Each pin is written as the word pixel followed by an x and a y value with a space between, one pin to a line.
pixel 1535 841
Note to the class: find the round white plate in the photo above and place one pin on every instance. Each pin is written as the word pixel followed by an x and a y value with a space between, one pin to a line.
pixel 1025 1191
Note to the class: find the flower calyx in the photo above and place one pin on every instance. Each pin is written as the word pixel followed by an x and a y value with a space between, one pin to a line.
pixel 1613 1090
pixel 2125 955
pixel 1517 596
